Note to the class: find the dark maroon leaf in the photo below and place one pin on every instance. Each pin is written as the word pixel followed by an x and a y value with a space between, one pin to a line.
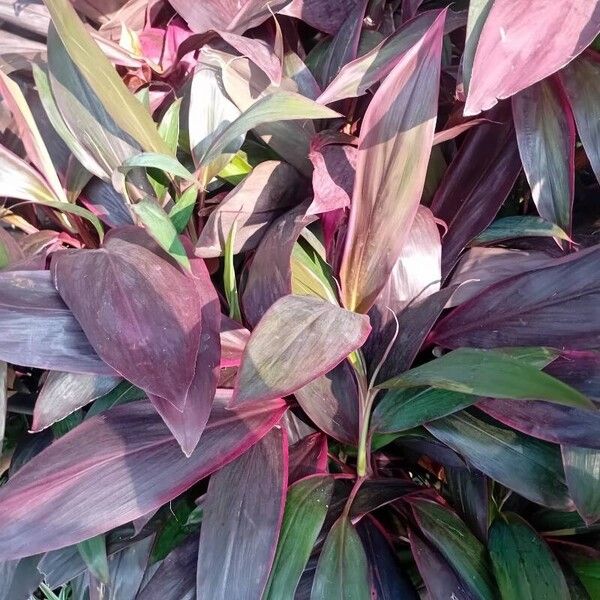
pixel 332 403
pixel 308 456
pixel 270 274
pixel 114 468
pixel 388 580
pixel 374 494
pixel 439 577
pixel 537 308
pixel 112 291
pixel 106 203
pixel 476 183
pixel 175 578
pixel 37 329
pixel 321 14
pixel 242 515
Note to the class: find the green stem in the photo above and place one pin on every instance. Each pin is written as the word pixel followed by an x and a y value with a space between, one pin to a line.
pixel 364 446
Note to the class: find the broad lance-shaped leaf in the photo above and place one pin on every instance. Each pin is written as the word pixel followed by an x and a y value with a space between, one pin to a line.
pixel 114 468
pixel 510 57
pixel 342 570
pixel 270 189
pixel 542 307
pixel 175 578
pixel 476 183
pixel 37 329
pixel 524 565
pixel 393 152
pixel 305 510
pixel 280 106
pixel 270 273
pixel 243 510
pixel 580 79
pixel 488 373
pixel 187 425
pixel 528 466
pixel 440 579
pixel 546 136
pixel 110 291
pixel 284 351
pixel 519 226
pixel 388 580
pixel 478 12
pixel 129 114
pixel 63 393
pixel 459 546
pixel 356 77
pixel 582 471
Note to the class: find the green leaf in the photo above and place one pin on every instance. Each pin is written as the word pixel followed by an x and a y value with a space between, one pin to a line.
pixel 164 162
pixel 582 471
pixel 175 529
pixel 129 114
pixel 342 570
pixel 460 547
pixel 305 510
pixel 311 275
pixel 169 126
pixel 162 230
pixel 181 213
pixel 93 552
pixel 524 464
pixel 524 566
pixel 281 106
pixel 489 373
pixel 587 569
pixel 124 392
pixel 229 281
pixel 236 169
pixel 518 227
pixel 400 410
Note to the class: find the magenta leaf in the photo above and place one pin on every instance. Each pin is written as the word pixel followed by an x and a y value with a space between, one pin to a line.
pixel 283 352
pixel 242 515
pixel 114 468
pixel 393 152
pixel 539 307
pixel 110 292
pixel 511 55
pixel 546 136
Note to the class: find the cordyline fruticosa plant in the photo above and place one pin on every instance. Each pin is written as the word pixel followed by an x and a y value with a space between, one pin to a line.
pixel 300 299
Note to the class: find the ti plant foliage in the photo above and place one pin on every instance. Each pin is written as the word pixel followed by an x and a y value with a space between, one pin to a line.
pixel 299 300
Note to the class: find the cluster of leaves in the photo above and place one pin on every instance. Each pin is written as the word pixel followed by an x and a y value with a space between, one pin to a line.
pixel 299 299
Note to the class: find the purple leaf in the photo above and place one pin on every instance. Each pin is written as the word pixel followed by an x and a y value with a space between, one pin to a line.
pixel 242 515
pixel 270 189
pixel 270 273
pixel 283 353
pixel 321 14
pixel 187 425
pixel 389 581
pixel 393 152
pixel 226 15
pixel 537 308
pixel 479 268
pixel 234 338
pixel 175 578
pixel 545 131
pixel 334 165
pixel 308 456
pixel 439 577
pixel 580 80
pixel 355 78
pixel 63 393
pixel 332 403
pixel 476 184
pixel 114 468
pixel 110 292
pixel 511 55
pixel 38 329
pixel 20 578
